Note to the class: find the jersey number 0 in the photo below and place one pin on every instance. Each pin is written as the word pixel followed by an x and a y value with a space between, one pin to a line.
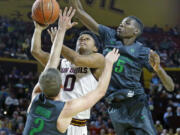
pixel 69 82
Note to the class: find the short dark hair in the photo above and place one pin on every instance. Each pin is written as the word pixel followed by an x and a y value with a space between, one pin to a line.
pixel 139 23
pixel 50 82
pixel 98 42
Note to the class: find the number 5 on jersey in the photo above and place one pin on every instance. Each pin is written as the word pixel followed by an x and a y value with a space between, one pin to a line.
pixel 119 66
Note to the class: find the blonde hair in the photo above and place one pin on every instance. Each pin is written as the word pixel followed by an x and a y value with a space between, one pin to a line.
pixel 50 82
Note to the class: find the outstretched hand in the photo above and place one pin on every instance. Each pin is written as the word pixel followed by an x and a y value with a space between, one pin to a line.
pixel 40 27
pixel 112 56
pixel 64 22
pixel 52 32
pixel 65 18
pixel 154 60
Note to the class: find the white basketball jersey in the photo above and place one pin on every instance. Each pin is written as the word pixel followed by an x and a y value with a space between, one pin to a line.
pixel 77 82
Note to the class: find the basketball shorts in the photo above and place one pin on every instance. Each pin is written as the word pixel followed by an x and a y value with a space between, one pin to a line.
pixel 77 127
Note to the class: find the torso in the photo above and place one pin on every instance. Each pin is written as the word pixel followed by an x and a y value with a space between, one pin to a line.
pixel 77 81
pixel 42 117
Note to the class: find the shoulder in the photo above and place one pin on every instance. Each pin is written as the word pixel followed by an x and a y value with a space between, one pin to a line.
pixel 98 56
pixel 104 30
pixel 143 49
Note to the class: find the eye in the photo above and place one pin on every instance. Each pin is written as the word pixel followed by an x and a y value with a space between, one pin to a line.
pixel 127 22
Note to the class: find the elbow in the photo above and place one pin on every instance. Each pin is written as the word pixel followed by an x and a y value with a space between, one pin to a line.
pixel 79 12
pixel 102 91
pixel 76 61
pixel 34 52
pixel 171 88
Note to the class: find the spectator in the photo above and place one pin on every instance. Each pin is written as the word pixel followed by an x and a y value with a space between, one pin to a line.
pixel 155 83
pixel 170 132
pixel 3 132
pixel 4 129
pixel 178 111
pixel 158 127
pixel 167 114
pixel 12 100
pixel 20 129
pixel 177 131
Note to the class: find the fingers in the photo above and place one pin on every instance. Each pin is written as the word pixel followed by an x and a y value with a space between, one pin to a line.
pixel 49 32
pixel 52 30
pixel 74 23
pixel 65 11
pixel 60 15
pixel 116 51
pixel 69 11
pixel 73 13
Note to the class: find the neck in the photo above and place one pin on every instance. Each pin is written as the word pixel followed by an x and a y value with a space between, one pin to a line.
pixel 129 41
pixel 83 52
pixel 57 98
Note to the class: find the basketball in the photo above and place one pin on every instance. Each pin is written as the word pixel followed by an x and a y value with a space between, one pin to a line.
pixel 45 12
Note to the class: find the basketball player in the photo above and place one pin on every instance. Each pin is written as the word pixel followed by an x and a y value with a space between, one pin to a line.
pixel 79 71
pixel 128 109
pixel 47 114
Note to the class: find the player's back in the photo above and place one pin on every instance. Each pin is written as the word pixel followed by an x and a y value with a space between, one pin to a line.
pixel 42 117
pixel 78 81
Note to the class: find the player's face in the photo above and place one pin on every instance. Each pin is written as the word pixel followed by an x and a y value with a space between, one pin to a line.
pixel 127 28
pixel 86 43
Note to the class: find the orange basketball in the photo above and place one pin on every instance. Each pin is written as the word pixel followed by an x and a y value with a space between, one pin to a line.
pixel 45 12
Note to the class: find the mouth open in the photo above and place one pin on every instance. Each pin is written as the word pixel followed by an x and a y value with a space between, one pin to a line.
pixel 82 44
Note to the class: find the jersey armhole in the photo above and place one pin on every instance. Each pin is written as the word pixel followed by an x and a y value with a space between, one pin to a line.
pixel 59 67
pixel 92 70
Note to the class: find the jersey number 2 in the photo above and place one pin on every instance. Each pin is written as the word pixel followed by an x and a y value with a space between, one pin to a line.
pixel 39 128
pixel 69 82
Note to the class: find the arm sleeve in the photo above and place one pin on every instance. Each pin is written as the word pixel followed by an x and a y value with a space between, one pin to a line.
pixel 144 57
pixel 106 33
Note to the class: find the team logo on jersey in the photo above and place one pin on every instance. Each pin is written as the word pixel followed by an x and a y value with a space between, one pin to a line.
pixel 132 50
pixel 130 93
pixel 112 42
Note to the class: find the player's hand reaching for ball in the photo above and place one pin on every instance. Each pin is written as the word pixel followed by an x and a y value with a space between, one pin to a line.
pixel 112 56
pixel 154 60
pixel 52 32
pixel 65 19
pixel 39 27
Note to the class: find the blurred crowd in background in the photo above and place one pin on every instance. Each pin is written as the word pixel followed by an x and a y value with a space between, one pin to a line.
pixel 16 86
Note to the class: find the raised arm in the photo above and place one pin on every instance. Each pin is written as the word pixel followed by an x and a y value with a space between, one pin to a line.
pixel 95 60
pixel 84 17
pixel 54 57
pixel 36 49
pixel 78 105
pixel 167 81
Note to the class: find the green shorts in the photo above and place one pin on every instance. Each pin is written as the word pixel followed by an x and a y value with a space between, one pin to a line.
pixel 132 116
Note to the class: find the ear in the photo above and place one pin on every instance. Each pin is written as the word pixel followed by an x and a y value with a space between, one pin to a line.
pixel 136 32
pixel 61 86
pixel 95 49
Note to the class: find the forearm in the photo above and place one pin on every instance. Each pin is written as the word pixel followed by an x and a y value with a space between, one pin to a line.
pixel 54 57
pixel 36 50
pixel 165 79
pixel 103 84
pixel 36 41
pixel 76 4
pixel 84 17
pixel 105 77
pixel 69 54
pixel 94 96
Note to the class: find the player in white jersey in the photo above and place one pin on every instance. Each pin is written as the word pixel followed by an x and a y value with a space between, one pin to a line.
pixel 80 70
pixel 78 81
